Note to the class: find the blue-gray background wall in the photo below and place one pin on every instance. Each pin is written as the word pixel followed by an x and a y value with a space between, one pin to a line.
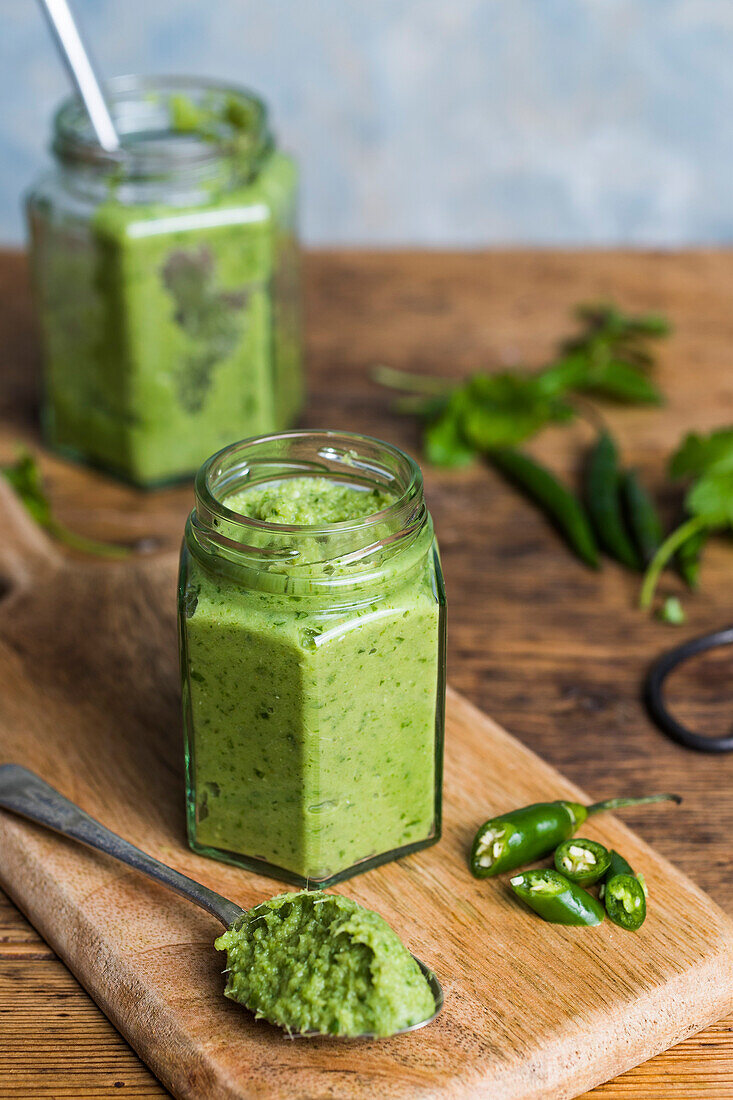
pixel 437 122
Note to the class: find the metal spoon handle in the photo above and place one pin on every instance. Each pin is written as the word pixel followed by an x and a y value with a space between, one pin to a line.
pixel 78 62
pixel 25 793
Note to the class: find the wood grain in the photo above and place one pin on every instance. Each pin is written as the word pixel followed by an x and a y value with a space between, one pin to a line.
pixel 551 652
pixel 104 1062
pixel 89 698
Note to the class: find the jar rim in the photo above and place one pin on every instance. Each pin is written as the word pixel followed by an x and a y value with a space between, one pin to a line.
pixel 133 100
pixel 398 511
pixel 350 555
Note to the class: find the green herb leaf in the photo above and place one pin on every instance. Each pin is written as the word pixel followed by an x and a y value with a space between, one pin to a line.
pixel 699 453
pixel 688 558
pixel 622 382
pixel 709 461
pixel 24 477
pixel 712 497
pixel 443 439
pixel 611 321
pixel 609 357
pixel 502 410
pixel 568 373
pixel 492 412
pixel 672 611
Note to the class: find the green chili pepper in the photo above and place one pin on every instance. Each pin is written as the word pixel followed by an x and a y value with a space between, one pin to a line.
pixel 554 898
pixel 604 502
pixel 618 865
pixel 510 840
pixel 582 861
pixel 624 895
pixel 560 505
pixel 688 558
pixel 643 519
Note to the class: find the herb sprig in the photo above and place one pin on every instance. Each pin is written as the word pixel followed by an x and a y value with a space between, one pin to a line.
pixel 707 463
pixel 24 477
pixel 488 415
pixel 610 357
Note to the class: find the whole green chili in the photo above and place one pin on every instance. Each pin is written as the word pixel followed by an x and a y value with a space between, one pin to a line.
pixel 624 894
pixel 603 501
pixel 582 861
pixel 556 899
pixel 513 839
pixel 560 505
pixel 642 516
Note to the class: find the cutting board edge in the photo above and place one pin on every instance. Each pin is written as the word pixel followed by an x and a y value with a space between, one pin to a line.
pixel 73 950
pixel 191 1070
pixel 547 1085
pixel 678 1026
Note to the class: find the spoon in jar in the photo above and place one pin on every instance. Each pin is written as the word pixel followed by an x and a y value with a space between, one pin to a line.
pixel 26 794
pixel 78 62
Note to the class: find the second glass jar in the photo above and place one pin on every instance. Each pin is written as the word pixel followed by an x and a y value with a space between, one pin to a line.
pixel 167 279
pixel 312 658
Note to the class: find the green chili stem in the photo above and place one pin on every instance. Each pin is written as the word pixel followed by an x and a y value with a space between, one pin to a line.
pixel 619 803
pixel 412 383
pixel 664 555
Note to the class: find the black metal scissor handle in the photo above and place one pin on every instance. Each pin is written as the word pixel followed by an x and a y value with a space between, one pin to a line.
pixel 654 692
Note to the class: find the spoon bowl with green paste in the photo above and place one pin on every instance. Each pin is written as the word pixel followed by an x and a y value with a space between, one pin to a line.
pixel 312 963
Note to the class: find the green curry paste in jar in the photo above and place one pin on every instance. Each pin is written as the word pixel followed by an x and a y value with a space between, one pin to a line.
pixel 166 280
pixel 312 624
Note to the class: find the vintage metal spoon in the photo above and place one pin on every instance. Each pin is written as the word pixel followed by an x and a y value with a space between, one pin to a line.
pixel 78 62
pixel 25 793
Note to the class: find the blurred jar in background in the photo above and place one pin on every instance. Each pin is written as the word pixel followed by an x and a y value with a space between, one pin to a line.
pixel 166 279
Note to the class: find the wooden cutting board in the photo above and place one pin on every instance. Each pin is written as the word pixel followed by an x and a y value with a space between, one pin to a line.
pixel 89 699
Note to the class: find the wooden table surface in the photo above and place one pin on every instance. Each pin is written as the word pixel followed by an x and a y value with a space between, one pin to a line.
pixel 553 652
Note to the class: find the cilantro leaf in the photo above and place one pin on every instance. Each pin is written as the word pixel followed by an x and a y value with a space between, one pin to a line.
pixel 699 453
pixel 672 611
pixel 612 348
pixel 708 460
pixel 24 478
pixel 608 357
pixel 502 410
pixel 609 319
pixel 444 444
pixel 621 382
pixel 712 497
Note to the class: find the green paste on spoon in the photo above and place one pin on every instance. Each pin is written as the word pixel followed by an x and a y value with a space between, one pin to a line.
pixel 322 963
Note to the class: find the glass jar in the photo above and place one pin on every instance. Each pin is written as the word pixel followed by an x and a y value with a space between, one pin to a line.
pixel 166 279
pixel 313 664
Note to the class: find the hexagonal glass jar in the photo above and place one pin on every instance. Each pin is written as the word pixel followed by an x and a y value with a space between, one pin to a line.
pixel 313 664
pixel 166 279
